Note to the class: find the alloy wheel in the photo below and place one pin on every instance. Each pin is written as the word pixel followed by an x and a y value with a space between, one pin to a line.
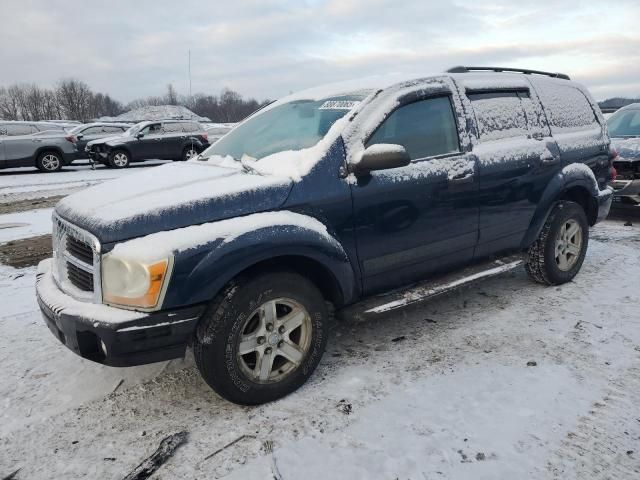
pixel 568 245
pixel 50 162
pixel 120 159
pixel 274 340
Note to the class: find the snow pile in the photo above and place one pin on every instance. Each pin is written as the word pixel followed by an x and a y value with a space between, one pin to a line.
pixel 163 244
pixel 156 112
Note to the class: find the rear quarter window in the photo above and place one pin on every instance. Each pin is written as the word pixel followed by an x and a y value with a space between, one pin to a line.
pixel 567 108
pixel 500 114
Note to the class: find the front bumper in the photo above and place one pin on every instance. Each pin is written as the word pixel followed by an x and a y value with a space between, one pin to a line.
pixel 113 336
pixel 626 194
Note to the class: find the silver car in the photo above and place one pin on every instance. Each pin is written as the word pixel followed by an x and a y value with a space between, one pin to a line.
pixel 46 146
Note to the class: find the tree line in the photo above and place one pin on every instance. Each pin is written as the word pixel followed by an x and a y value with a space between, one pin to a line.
pixel 72 99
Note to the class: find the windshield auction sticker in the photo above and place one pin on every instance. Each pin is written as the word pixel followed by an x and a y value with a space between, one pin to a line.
pixel 339 104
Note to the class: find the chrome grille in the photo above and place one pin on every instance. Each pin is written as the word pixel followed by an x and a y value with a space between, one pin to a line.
pixel 76 256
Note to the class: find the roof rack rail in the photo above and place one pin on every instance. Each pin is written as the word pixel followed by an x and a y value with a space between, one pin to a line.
pixel 461 69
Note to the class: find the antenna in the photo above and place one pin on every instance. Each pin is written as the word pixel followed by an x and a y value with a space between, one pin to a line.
pixel 190 73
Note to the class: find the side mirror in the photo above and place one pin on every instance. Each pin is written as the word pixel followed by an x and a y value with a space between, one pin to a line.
pixel 139 135
pixel 80 136
pixel 381 156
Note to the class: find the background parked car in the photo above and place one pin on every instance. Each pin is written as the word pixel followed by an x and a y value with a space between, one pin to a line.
pixel 169 139
pixel 624 130
pixel 88 132
pixel 46 146
pixel 218 130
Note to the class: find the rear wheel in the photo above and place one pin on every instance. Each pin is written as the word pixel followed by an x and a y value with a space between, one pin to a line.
pixel 557 256
pixel 119 159
pixel 49 162
pixel 262 338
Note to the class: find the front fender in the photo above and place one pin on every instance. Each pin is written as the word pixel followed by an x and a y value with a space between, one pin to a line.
pixel 234 245
pixel 571 176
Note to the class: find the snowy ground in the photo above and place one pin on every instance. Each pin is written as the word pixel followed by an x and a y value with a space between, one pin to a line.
pixel 442 390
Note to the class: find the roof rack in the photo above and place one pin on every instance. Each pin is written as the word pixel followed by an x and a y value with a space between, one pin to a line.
pixel 461 69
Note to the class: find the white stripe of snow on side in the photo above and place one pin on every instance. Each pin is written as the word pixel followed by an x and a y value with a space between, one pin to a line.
pixel 419 294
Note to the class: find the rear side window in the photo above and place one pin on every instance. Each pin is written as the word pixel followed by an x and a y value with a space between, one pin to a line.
pixel 425 128
pixel 566 106
pixel 191 127
pixel 93 131
pixel 500 114
pixel 14 130
pixel 107 129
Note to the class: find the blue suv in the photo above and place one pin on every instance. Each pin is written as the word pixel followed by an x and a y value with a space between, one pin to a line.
pixel 321 200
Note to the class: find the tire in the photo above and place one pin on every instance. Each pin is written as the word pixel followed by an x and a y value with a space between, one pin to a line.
pixel 119 159
pixel 49 161
pixel 237 313
pixel 188 152
pixel 558 253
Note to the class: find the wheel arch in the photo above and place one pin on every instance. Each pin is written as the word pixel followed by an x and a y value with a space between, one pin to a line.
pixel 575 183
pixel 45 149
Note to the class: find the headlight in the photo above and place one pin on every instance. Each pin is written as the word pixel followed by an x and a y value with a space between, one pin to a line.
pixel 132 283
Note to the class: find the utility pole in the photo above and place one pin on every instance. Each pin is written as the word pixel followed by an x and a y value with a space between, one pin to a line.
pixel 190 96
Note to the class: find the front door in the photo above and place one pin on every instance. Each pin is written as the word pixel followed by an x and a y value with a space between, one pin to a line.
pixel 150 145
pixel 412 221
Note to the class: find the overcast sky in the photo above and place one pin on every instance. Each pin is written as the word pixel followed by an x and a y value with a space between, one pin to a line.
pixel 266 49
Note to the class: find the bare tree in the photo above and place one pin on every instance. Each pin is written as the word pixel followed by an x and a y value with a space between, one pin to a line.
pixel 74 98
pixel 171 98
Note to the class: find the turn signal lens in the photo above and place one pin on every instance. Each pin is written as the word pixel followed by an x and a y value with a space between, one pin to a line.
pixel 131 283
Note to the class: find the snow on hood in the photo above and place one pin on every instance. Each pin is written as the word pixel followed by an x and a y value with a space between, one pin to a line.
pixel 169 197
pixel 627 147
pixel 107 139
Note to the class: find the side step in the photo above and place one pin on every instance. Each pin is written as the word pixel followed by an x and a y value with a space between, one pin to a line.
pixel 433 287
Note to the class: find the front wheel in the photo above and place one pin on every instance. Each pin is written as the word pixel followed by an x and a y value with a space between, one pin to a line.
pixel 119 159
pixel 557 256
pixel 262 338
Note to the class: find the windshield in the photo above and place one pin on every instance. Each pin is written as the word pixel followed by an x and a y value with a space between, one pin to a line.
pixel 291 126
pixel 625 123
pixel 133 130
pixel 77 129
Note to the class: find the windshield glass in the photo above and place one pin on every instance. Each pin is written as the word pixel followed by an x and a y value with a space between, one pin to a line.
pixel 625 123
pixel 77 129
pixel 291 126
pixel 133 130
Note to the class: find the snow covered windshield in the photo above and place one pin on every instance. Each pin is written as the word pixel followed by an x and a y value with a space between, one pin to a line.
pixel 294 125
pixel 625 123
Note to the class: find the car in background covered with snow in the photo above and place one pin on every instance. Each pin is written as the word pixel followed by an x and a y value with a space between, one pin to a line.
pixel 164 140
pixel 46 146
pixel 624 130
pixel 323 199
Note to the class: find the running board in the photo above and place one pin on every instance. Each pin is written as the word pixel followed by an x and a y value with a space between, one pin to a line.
pixel 433 287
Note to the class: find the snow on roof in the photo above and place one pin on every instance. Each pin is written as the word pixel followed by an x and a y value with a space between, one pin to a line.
pixel 156 112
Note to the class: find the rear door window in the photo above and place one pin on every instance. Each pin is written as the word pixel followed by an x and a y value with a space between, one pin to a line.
pixel 425 128
pixel 567 108
pixel 14 130
pixel 500 114
pixel 172 127
pixel 93 131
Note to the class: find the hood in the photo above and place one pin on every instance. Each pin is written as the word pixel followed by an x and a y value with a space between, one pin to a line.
pixel 628 148
pixel 112 138
pixel 171 196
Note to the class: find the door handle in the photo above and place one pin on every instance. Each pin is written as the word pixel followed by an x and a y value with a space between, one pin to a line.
pixel 462 178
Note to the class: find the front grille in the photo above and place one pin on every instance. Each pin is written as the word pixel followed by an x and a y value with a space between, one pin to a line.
pixel 80 250
pixel 80 278
pixel 628 170
pixel 77 261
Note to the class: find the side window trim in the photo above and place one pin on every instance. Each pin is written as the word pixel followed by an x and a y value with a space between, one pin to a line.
pixel 448 96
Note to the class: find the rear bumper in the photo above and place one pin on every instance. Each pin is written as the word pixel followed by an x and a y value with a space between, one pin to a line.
pixel 113 336
pixel 604 199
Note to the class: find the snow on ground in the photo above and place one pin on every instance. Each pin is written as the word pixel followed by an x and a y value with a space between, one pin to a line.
pixel 26 183
pixel 440 390
pixel 14 226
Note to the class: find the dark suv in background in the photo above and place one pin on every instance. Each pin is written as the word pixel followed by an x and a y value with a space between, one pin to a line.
pixel 165 140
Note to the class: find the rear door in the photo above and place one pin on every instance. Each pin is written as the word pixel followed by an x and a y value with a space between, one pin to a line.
pixel 89 134
pixel 19 144
pixel 414 220
pixel 516 159
pixel 574 125
pixel 173 138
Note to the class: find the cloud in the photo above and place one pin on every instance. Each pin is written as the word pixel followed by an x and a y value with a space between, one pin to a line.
pixel 268 48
